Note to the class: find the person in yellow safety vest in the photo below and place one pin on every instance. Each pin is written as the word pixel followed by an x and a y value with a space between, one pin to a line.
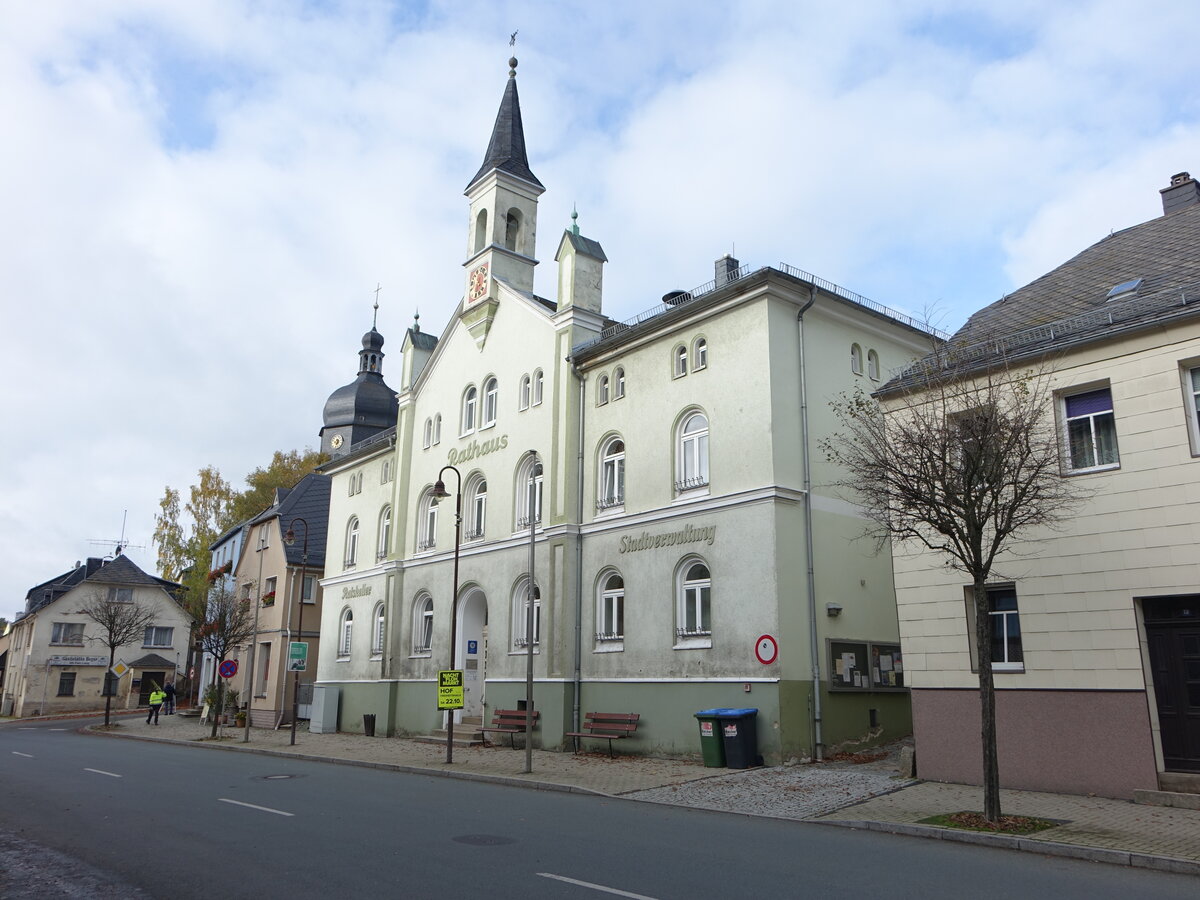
pixel 156 701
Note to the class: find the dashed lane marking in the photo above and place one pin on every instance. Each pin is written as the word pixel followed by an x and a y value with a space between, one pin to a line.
pixel 278 812
pixel 595 887
pixel 102 772
pixel 19 753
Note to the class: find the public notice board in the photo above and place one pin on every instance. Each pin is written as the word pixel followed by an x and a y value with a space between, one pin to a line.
pixel 450 689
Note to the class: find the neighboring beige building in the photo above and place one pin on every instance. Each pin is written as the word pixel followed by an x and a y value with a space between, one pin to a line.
pixel 56 659
pixel 283 585
pixel 1097 623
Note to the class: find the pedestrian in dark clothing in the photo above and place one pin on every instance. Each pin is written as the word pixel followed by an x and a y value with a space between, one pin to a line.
pixel 169 703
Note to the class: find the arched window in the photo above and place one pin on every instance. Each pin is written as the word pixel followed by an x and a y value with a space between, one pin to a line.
pixel 476 508
pixel 345 633
pixel 352 542
pixel 602 390
pixel 527 513
pixel 537 387
pixel 873 365
pixel 470 399
pixel 610 609
pixel 520 606
pixel 856 359
pixel 693 615
pixel 512 229
pixel 700 355
pixel 619 383
pixel 422 624
pixel 377 631
pixel 680 365
pixel 481 240
pixel 427 440
pixel 692 467
pixel 523 398
pixel 612 475
pixel 385 534
pixel 437 429
pixel 491 399
pixel 427 527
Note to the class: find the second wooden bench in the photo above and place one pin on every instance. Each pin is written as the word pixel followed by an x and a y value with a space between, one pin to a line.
pixel 606 726
pixel 510 722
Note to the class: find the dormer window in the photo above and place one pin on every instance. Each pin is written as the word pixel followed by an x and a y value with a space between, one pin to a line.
pixel 1125 289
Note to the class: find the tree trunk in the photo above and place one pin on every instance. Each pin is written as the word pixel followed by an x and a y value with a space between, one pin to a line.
pixel 216 720
pixel 112 652
pixel 987 703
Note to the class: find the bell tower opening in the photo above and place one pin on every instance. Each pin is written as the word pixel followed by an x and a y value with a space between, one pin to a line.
pixel 481 240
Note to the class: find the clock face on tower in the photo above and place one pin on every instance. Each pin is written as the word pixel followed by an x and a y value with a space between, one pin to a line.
pixel 336 442
pixel 478 282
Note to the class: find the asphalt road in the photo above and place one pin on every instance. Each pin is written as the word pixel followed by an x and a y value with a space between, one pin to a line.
pixel 103 817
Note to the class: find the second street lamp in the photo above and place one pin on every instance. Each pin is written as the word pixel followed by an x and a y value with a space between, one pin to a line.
pixel 440 492
pixel 290 539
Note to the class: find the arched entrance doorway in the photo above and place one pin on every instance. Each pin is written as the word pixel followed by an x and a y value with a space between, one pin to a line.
pixel 472 651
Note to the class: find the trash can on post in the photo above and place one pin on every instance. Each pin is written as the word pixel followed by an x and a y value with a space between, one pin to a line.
pixel 739 730
pixel 712 745
pixel 369 724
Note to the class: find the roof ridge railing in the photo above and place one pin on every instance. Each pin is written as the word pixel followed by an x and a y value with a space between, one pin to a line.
pixel 870 304
pixel 1114 312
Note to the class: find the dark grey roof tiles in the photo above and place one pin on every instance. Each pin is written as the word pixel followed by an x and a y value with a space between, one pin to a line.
pixel 506 149
pixel 422 340
pixel 586 245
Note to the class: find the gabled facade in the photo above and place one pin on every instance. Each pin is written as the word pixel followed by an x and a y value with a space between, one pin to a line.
pixel 56 660
pixel 1095 623
pixel 685 553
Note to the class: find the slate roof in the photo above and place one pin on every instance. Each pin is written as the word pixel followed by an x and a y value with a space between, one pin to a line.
pixel 506 149
pixel 585 245
pixel 119 571
pixel 151 661
pixel 307 499
pixel 1070 305
pixel 422 340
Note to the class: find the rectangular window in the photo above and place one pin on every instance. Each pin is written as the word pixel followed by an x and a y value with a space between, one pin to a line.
pixel 120 595
pixel 310 586
pixel 1091 431
pixel 157 636
pixel 66 684
pixel 67 633
pixel 1191 390
pixel 1007 655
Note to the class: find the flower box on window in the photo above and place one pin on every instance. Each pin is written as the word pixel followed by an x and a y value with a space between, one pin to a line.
pixel 268 599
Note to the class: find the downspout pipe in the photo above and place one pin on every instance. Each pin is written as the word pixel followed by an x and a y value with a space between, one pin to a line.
pixel 578 677
pixel 814 642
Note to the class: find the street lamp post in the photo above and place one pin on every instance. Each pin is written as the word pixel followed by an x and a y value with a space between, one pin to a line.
pixel 440 492
pixel 529 631
pixel 289 539
pixel 248 682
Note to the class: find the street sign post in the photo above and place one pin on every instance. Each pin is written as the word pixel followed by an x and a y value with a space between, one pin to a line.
pixel 228 668
pixel 119 669
pixel 297 656
pixel 450 689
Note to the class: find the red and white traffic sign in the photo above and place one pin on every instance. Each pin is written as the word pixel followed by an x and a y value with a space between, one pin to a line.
pixel 767 650
pixel 228 668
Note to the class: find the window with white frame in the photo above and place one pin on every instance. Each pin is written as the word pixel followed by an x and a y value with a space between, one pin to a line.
pixel 158 636
pixel 469 402
pixel 422 624
pixel 610 609
pixel 491 401
pixel 1191 388
pixel 1091 431
pixel 537 387
pixel 693 615
pixel 308 589
pixel 385 534
pixel 66 633
pixel 437 429
pixel 1007 653
pixel 856 359
pixel 427 440
pixel 619 383
pixel 520 608
pixel 427 527
pixel 352 542
pixel 122 595
pixel 611 491
pixel 524 393
pixel 377 631
pixel 602 390
pixel 476 507
pixel 692 462
pixel 345 634
pixel 679 364
pixel 700 355
pixel 529 499
pixel 873 365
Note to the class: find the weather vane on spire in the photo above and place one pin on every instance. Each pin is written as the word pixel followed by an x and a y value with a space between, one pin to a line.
pixel 375 318
pixel 512 39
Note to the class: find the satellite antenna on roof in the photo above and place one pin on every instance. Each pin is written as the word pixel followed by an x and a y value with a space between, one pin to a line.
pixel 120 542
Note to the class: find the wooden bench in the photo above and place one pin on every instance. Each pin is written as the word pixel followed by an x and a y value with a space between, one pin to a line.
pixel 606 726
pixel 510 722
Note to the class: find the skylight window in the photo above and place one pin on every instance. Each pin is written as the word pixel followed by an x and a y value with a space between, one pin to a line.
pixel 1125 287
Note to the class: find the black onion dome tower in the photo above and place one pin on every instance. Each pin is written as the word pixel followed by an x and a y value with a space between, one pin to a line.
pixel 364 407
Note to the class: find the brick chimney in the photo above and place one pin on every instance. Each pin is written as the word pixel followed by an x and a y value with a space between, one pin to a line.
pixel 1184 191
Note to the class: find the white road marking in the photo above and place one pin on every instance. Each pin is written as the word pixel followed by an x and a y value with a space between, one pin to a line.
pixel 57 729
pixel 102 772
pixel 595 887
pixel 26 728
pixel 19 753
pixel 277 812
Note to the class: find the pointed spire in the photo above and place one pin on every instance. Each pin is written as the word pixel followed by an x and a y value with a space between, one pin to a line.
pixel 574 220
pixel 506 150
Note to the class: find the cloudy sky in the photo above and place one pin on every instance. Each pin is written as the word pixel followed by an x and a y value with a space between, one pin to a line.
pixel 197 200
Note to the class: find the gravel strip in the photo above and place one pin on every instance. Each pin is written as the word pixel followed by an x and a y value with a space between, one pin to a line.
pixel 795 792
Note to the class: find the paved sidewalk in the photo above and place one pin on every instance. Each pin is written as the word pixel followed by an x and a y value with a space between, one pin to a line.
pixel 1103 830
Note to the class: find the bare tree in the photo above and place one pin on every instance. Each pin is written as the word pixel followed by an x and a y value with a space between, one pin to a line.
pixel 965 464
pixel 120 622
pixel 228 623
